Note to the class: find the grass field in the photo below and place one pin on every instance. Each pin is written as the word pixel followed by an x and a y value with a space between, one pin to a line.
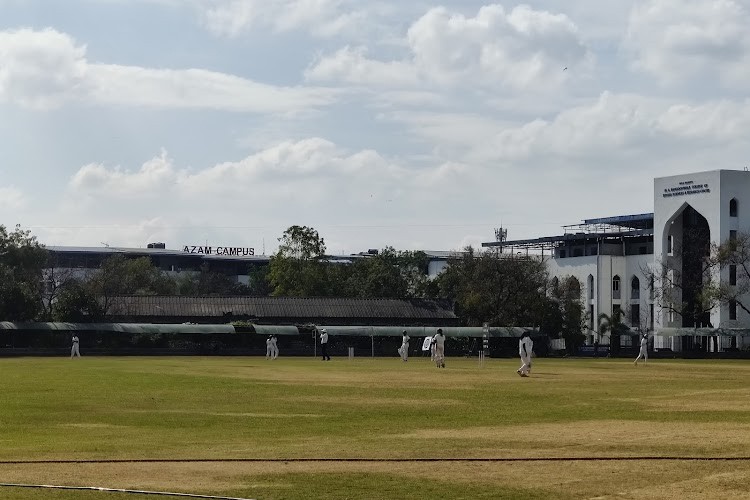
pixel 249 408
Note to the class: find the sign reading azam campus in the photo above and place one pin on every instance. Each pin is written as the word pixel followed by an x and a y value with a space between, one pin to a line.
pixel 206 250
pixel 684 188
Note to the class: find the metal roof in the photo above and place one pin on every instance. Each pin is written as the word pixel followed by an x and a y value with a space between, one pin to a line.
pixel 280 307
pixel 119 327
pixel 638 221
pixel 423 331
pixel 154 252
pixel 552 241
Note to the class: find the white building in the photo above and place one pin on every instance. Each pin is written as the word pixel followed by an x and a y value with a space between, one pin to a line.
pixel 613 259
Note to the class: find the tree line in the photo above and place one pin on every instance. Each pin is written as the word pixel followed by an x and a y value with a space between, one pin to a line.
pixel 484 286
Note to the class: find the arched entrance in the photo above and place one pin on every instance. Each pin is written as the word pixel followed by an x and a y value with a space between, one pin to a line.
pixel 693 250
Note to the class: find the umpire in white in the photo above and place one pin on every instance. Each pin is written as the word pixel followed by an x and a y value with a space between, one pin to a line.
pixel 324 345
pixel 74 350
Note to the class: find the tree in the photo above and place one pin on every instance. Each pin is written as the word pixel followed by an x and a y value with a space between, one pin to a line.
pixel 208 282
pixel 94 298
pixel 500 289
pixel 732 258
pixel 22 260
pixel 613 326
pixel 297 268
pixel 77 303
pixel 56 278
pixel 564 313
pixel 719 275
pixel 389 273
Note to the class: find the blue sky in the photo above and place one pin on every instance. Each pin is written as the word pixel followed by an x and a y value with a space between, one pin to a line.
pixel 417 125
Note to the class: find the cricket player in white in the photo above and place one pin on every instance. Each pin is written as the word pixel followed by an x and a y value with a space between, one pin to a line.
pixel 74 351
pixel 324 345
pixel 269 347
pixel 274 347
pixel 404 349
pixel 525 348
pixel 440 349
pixel 644 350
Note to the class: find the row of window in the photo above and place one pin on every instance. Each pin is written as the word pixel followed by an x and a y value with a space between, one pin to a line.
pixel 635 287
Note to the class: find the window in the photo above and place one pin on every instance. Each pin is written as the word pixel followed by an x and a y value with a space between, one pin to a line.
pixel 635 315
pixel 732 235
pixel 616 287
pixel 651 287
pixel 651 316
pixel 635 288
pixel 733 207
pixel 670 244
pixel 591 317
pixel 616 311
pixel 732 309
pixel 733 274
pixel 591 286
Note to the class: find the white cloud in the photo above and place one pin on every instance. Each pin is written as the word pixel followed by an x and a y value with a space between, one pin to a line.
pixel 680 40
pixel 315 169
pixel 154 176
pixel 621 123
pixel 320 17
pixel 43 69
pixel 12 198
pixel 40 69
pixel 351 65
pixel 520 49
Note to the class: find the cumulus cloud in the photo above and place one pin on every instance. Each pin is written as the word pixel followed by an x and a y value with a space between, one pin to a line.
pixel 609 123
pixel 519 49
pixel 320 17
pixel 40 69
pixel 314 166
pixel 154 176
pixel 351 65
pixel 676 40
pixel 621 123
pixel 44 69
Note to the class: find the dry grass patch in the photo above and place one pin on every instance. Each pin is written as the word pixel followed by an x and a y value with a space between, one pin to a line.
pixel 670 480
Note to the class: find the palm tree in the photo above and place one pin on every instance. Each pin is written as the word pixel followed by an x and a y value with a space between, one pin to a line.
pixel 612 325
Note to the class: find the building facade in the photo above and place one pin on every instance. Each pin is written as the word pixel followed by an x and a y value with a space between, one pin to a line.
pixel 650 267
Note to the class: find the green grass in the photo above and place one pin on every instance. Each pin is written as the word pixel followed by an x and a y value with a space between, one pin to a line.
pixel 220 408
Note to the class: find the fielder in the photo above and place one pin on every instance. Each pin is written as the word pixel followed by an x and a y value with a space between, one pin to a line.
pixel 404 349
pixel 274 347
pixel 439 348
pixel 74 351
pixel 525 348
pixel 269 347
pixel 643 353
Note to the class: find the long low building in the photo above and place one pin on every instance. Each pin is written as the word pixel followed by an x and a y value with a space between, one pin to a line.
pixel 235 262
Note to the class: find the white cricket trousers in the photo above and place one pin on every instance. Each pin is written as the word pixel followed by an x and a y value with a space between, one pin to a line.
pixel 269 352
pixel 74 351
pixel 404 351
pixel 525 365
pixel 439 354
pixel 642 355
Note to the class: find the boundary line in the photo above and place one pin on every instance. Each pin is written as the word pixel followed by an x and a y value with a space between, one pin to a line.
pixel 385 460
pixel 116 490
